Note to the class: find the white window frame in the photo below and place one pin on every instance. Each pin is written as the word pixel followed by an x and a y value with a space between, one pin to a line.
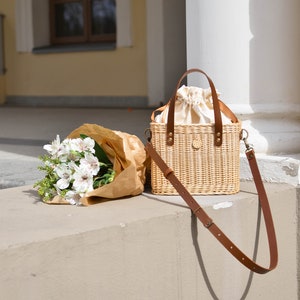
pixel 33 29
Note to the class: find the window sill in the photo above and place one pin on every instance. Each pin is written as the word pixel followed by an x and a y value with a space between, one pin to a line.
pixel 74 48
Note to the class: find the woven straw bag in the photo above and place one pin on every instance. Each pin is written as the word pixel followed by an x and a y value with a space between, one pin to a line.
pixel 204 157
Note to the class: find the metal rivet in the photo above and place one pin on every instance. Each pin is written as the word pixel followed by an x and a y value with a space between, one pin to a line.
pixel 170 140
pixel 218 140
pixel 218 134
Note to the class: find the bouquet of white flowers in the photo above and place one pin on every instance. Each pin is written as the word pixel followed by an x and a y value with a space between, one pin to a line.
pixel 92 164
pixel 73 168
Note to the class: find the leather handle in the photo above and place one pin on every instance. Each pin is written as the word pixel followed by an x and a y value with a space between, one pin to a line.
pixel 216 105
pixel 212 227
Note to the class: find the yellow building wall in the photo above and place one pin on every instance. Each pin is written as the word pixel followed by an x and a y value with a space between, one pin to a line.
pixel 119 72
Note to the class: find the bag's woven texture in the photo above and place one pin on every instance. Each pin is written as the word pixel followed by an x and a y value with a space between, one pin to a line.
pixel 202 167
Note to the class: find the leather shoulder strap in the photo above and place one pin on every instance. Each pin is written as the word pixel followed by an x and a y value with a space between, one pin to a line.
pixel 212 227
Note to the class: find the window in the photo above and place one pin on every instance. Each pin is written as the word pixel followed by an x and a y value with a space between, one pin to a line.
pixel 82 21
pixel 33 28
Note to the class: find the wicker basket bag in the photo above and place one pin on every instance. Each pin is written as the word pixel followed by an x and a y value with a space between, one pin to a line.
pixel 204 157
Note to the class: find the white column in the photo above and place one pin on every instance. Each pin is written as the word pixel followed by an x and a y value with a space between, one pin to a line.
pixel 124 23
pixel 251 50
pixel 24 25
pixel 155 52
pixel 166 47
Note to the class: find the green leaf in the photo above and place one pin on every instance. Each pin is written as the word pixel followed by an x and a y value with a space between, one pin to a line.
pixel 104 178
pixel 99 152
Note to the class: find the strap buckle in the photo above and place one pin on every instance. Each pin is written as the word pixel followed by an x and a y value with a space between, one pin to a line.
pixel 208 224
pixel 245 136
pixel 148 134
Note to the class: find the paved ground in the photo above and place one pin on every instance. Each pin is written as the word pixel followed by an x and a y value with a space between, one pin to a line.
pixel 24 131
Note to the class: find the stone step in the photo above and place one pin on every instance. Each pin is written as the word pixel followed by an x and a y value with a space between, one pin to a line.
pixel 143 247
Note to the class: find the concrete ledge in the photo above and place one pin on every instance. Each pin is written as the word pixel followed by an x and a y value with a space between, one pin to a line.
pixel 274 168
pixel 145 247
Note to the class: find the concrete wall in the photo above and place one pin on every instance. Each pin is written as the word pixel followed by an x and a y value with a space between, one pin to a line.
pixel 146 247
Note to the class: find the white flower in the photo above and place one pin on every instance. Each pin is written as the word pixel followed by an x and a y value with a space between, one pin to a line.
pixel 65 174
pixel 54 147
pixel 91 163
pixel 57 149
pixel 68 152
pixel 83 180
pixel 83 145
pixel 72 167
pixel 73 198
pixel 71 144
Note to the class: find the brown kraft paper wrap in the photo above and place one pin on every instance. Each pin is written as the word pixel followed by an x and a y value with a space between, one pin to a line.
pixel 128 156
